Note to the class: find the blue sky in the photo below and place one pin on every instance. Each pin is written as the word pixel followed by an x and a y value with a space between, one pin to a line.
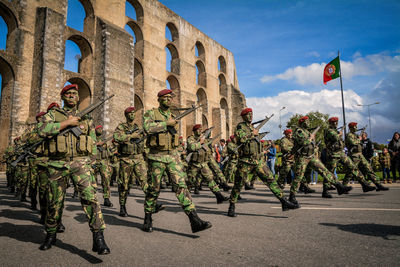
pixel 281 47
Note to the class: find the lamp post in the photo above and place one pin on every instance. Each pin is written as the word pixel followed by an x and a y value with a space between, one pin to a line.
pixel 369 115
pixel 280 119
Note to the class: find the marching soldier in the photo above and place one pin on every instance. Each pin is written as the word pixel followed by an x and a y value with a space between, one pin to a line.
pixel 163 156
pixel 233 154
pixel 286 146
pixel 250 162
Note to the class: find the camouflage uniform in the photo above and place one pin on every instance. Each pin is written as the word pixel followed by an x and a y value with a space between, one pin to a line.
pixel 132 163
pixel 102 167
pixel 230 166
pixel 286 146
pixel 163 157
pixel 22 169
pixel 9 157
pixel 216 170
pixel 114 163
pixel 70 157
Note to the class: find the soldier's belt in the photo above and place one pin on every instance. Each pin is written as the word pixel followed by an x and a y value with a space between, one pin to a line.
pixel 161 152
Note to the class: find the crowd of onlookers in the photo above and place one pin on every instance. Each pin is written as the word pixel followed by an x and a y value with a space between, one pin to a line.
pixel 386 160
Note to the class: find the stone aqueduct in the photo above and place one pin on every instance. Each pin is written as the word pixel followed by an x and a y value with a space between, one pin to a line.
pixel 133 67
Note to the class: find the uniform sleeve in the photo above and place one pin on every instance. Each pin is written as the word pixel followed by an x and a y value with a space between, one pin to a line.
pixel 301 138
pixel 242 133
pixel 151 126
pixel 48 127
pixel 351 140
pixel 120 136
pixel 92 134
pixel 193 144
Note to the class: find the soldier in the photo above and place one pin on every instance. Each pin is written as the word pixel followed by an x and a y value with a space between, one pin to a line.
pixel 198 164
pixel 353 144
pixel 250 162
pixel 216 170
pixel 163 156
pixel 304 153
pixel 69 156
pixel 233 154
pixel 22 169
pixel 335 153
pixel 102 165
pixel 287 167
pixel 114 161
pixel 129 137
pixel 9 157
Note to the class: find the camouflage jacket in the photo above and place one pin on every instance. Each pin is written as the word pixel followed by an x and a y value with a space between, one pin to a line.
pixel 303 145
pixel 353 144
pixel 333 141
pixel 232 151
pixel 287 149
pixel 250 151
pixel 199 154
pixel 123 136
pixel 103 150
pixel 9 154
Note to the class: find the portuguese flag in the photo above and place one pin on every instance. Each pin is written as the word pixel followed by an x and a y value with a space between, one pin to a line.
pixel 332 70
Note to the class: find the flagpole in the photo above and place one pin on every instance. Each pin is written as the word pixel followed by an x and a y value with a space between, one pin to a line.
pixel 341 88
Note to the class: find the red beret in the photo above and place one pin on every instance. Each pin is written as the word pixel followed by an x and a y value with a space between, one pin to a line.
pixel 232 137
pixel 262 141
pixel 245 111
pixel 196 126
pixel 130 109
pixel 352 124
pixel 164 92
pixel 40 114
pixel 98 126
pixel 180 137
pixel 52 105
pixel 287 131
pixel 333 119
pixel 69 87
pixel 302 119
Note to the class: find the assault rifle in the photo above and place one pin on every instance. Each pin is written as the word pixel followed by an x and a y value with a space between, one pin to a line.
pixel 27 150
pixel 204 146
pixel 172 129
pixel 262 122
pixel 312 137
pixel 100 148
pixel 362 129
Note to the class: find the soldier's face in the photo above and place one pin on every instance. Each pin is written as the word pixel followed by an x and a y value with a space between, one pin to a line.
pixel 289 135
pixel 130 116
pixel 306 124
pixel 70 98
pixel 197 132
pixel 334 124
pixel 353 129
pixel 248 117
pixel 165 100
pixel 99 131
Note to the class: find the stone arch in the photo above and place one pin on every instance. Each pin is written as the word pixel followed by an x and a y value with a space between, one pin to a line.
pixel 223 87
pixel 204 121
pixel 224 118
pixel 202 100
pixel 138 9
pixel 12 25
pixel 88 21
pixel 173 84
pixel 86 60
pixel 138 78
pixel 201 76
pixel 6 102
pixel 221 64
pixel 173 30
pixel 85 94
pixel 139 109
pixel 200 51
pixel 174 63
pixel 137 37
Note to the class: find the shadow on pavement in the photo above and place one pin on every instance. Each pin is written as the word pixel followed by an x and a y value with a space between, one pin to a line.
pixel 34 234
pixel 370 229
pixel 20 215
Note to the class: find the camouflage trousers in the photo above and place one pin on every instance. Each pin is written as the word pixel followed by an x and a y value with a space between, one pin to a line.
pixel 172 165
pixel 230 170
pixel 80 172
pixel 197 172
pixel 114 171
pixel 350 168
pixel 365 167
pixel 287 166
pixel 22 178
pixel 103 168
pixel 216 170
pixel 314 163
pixel 10 174
pixel 131 169
pixel 257 168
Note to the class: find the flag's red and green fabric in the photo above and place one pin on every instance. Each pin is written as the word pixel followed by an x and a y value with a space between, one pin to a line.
pixel 332 70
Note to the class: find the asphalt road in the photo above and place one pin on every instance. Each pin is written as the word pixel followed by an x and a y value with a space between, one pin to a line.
pixel 352 230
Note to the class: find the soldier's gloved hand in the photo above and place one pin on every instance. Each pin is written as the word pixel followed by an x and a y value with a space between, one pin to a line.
pixel 171 122
pixel 255 132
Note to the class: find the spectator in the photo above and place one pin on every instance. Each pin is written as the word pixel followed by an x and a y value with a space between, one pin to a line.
pixel 384 159
pixel 394 149
pixel 221 152
pixel 314 177
pixel 271 156
pixel 367 146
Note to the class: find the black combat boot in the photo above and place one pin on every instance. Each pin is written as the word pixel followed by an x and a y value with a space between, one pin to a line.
pixel 239 197
pixel 107 203
pixel 61 228
pixel 148 223
pixel 159 207
pixel 292 199
pixel 196 223
pixel 196 191
pixel 122 211
pixel 380 187
pixel 220 198
pixel 247 186
pixel 325 193
pixel 99 244
pixel 308 190
pixel 75 194
pixel 301 188
pixel 50 240
pixel 33 203
pixel 288 205
pixel 231 210
pixel 42 217
pixel 226 187
pixel 342 189
pixel 12 189
pixel 366 187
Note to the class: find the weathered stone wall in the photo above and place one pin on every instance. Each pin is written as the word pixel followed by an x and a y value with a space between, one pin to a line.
pixel 32 66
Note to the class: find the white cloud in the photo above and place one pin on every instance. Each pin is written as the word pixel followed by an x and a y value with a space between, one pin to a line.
pixel 313 54
pixel 360 66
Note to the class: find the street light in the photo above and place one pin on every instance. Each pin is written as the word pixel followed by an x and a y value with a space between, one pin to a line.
pixel 369 115
pixel 280 119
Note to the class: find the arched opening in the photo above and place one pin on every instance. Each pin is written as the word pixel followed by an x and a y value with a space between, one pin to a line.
pixel 80 15
pixel 134 10
pixel 84 92
pixel 136 32
pixel 8 25
pixel 201 77
pixel 200 51
pixel 171 32
pixel 221 64
pixel 173 84
pixel 224 118
pixel 138 78
pixel 172 59
pixel 202 100
pixel 204 121
pixel 139 110
pixel 78 55
pixel 223 88
pixel 6 87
